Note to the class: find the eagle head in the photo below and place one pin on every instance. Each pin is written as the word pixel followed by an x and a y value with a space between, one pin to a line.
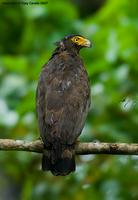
pixel 73 43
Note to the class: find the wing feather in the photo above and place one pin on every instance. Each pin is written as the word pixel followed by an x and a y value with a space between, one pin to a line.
pixel 63 99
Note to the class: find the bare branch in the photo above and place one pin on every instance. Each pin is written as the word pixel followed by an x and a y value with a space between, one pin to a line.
pixel 81 148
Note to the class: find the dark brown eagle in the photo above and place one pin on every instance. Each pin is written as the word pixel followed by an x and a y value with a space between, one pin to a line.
pixel 63 100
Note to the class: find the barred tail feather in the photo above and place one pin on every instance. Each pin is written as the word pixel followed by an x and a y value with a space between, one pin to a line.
pixel 60 166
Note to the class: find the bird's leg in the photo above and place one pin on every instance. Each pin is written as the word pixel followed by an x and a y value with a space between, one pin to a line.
pixel 39 138
pixel 77 141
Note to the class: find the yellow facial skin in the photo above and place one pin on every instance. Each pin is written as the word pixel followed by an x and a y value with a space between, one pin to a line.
pixel 81 41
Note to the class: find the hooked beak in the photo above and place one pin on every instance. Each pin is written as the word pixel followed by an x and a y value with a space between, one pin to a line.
pixel 86 43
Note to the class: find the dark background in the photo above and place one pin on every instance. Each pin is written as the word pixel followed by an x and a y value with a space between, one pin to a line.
pixel 27 34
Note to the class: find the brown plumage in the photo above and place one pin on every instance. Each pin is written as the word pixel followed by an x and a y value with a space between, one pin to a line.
pixel 63 99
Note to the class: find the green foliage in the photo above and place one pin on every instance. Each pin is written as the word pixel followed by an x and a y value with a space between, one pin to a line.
pixel 27 34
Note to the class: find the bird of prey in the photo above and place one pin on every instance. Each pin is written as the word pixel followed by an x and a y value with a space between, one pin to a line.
pixel 63 100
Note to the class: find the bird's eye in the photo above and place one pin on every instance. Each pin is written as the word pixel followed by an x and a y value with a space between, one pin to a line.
pixel 76 39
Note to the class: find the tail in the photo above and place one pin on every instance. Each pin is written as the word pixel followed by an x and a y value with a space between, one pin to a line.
pixel 60 160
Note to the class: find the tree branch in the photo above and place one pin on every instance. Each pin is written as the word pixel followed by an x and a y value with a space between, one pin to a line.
pixel 81 148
